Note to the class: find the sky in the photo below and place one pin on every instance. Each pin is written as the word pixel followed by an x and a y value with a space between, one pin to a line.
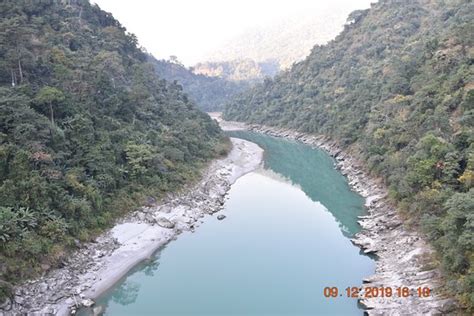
pixel 190 29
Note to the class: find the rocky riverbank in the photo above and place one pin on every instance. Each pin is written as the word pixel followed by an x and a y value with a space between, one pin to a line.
pixel 97 266
pixel 402 253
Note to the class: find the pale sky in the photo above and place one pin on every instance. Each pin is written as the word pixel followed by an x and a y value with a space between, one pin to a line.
pixel 190 29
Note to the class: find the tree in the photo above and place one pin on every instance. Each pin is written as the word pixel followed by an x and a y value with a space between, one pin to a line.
pixel 52 97
pixel 14 31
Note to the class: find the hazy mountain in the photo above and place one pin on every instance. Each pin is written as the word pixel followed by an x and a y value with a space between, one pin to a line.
pixel 286 40
pixel 238 70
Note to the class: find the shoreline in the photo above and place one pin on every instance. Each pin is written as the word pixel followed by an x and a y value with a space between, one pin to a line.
pixel 97 266
pixel 401 252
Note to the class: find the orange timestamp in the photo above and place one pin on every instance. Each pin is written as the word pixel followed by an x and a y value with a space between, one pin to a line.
pixel 376 291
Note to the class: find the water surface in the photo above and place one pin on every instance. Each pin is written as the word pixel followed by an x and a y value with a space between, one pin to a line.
pixel 283 241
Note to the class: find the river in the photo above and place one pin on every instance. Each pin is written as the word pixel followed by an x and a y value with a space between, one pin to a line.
pixel 285 238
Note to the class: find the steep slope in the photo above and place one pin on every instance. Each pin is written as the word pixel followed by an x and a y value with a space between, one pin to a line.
pixel 210 93
pixel 87 131
pixel 396 88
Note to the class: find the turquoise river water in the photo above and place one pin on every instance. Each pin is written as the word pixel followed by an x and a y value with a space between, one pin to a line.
pixel 285 238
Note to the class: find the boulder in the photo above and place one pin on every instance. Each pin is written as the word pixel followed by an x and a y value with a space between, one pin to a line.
pixel 19 299
pixel 97 310
pixel 165 209
pixel 150 201
pixel 87 302
pixel 45 267
pixel 141 216
pixel 43 287
pixel 164 222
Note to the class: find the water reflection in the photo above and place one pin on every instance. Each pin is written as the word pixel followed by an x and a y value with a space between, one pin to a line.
pixel 126 293
pixel 151 267
pixel 273 255
pixel 312 170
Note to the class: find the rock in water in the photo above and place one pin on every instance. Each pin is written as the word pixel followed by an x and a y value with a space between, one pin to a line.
pixel 87 302
pixel 97 310
pixel 221 217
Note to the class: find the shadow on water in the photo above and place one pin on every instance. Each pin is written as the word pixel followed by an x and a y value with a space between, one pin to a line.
pixel 312 170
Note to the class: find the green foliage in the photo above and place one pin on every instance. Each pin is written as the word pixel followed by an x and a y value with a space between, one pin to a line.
pixel 396 86
pixel 139 158
pixel 87 130
pixel 209 92
pixel 457 242
pixel 49 96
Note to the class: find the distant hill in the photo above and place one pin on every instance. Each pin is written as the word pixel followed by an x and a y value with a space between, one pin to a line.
pixel 396 88
pixel 257 54
pixel 209 92
pixel 238 70
pixel 287 40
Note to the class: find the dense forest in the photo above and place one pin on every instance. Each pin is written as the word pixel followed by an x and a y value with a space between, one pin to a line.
pixel 210 93
pixel 88 131
pixel 396 89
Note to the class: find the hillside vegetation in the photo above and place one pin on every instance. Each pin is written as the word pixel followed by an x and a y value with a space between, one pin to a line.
pixel 210 93
pixel 396 88
pixel 87 131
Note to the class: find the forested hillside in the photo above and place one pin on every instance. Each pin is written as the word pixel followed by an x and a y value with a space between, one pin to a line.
pixel 87 131
pixel 396 88
pixel 210 93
